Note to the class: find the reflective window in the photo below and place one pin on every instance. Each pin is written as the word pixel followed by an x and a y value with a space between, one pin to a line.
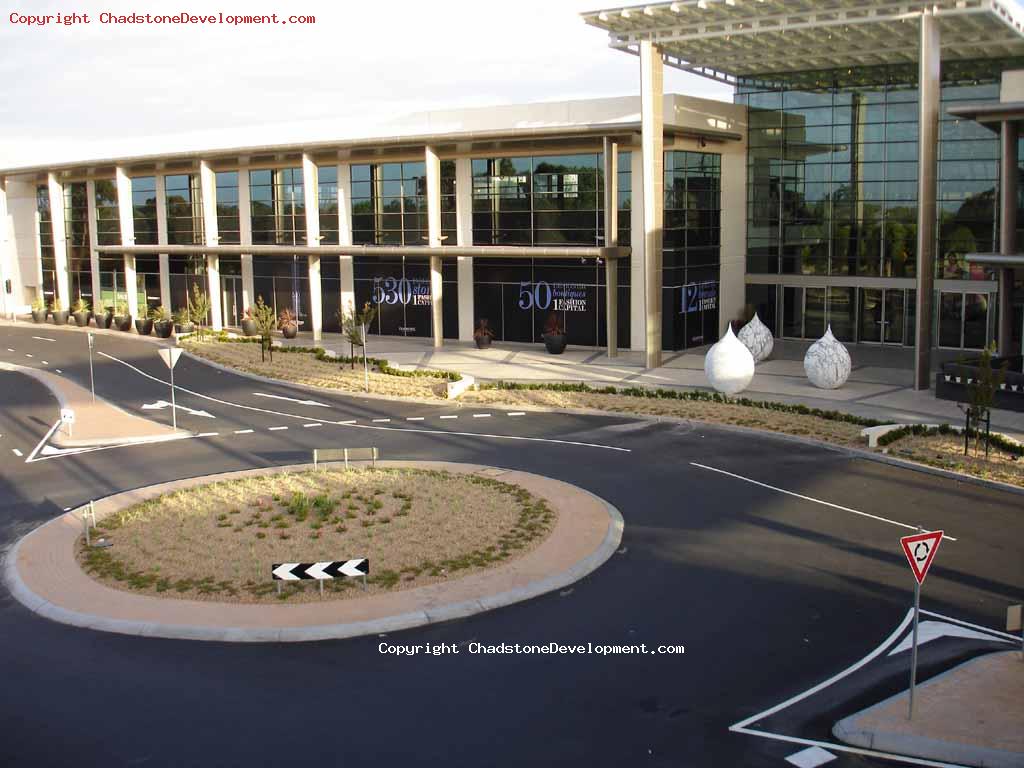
pixel 76 227
pixel 228 227
pixel 108 220
pixel 144 211
pixel 46 242
pixel 278 206
pixel 327 179
pixel 389 203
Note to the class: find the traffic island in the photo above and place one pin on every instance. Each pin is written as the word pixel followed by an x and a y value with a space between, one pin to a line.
pixel 539 535
pixel 970 715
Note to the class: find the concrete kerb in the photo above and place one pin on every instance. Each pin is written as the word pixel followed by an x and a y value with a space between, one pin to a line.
pixel 407 620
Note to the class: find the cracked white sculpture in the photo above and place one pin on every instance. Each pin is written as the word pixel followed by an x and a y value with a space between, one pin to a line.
pixel 757 338
pixel 827 362
pixel 729 365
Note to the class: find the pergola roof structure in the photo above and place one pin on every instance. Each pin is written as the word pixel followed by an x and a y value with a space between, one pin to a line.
pixel 731 40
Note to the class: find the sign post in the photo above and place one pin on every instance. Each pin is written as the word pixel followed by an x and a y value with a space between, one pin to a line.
pixel 1015 623
pixel 67 418
pixel 92 381
pixel 366 369
pixel 170 357
pixel 920 551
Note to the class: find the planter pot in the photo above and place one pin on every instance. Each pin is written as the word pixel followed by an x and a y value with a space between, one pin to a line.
pixel 289 331
pixel 555 343
pixel 81 319
pixel 104 320
pixel 60 317
pixel 123 322
pixel 144 326
pixel 163 328
pixel 38 315
pixel 249 328
pixel 183 328
pixel 482 342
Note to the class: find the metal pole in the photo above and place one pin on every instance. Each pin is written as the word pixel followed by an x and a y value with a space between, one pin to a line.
pixel 366 370
pixel 92 380
pixel 1007 233
pixel 913 654
pixel 174 408
pixel 321 589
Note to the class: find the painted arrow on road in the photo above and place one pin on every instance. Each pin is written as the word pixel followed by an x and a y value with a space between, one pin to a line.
pixel 320 571
pixel 161 404
pixel 293 400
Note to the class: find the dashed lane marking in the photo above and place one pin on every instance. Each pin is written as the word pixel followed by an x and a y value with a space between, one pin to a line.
pixel 414 418
pixel 315 424
pixel 9 349
pixel 27 355
pixel 381 421
pixel 517 413
pixel 449 417
pixel 208 434
pixel 243 431
pixel 481 415
pixel 44 362
pixel 43 338
pixel 347 423
pixel 275 429
pixel 17 452
pixel 58 370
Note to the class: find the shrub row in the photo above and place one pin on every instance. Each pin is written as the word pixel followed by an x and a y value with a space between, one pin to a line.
pixel 920 430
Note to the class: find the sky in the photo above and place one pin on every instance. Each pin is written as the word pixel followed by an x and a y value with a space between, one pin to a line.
pixel 91 91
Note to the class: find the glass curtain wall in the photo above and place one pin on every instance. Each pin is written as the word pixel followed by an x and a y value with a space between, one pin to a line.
pixel 76 223
pixel 147 268
pixel 228 227
pixel 108 232
pixel 48 262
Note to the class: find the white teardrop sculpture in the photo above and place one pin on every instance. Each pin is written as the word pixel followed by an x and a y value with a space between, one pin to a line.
pixel 757 338
pixel 729 365
pixel 827 362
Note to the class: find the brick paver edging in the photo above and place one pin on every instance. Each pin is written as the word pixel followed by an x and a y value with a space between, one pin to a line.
pixel 43 574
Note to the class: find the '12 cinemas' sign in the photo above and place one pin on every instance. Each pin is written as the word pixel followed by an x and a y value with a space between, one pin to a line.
pixel 698 297
pixel 390 290
pixel 560 297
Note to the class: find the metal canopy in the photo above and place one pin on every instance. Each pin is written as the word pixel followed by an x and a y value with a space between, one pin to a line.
pixel 996 259
pixel 990 114
pixel 450 251
pixel 729 40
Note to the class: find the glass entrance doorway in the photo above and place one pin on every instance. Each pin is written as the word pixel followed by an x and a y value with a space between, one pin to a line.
pixel 883 317
pixel 231 299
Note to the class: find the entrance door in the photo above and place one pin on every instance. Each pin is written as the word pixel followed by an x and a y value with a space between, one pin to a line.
pixel 871 310
pixel 894 316
pixel 231 298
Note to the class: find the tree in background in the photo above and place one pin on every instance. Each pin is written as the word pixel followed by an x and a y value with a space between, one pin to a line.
pixel 199 310
pixel 352 325
pixel 266 321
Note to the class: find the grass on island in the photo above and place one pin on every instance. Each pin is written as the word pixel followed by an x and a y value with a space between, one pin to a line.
pixel 218 541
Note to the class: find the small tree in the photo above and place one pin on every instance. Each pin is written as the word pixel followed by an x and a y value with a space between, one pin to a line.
pixel 266 322
pixel 199 309
pixel 981 393
pixel 352 325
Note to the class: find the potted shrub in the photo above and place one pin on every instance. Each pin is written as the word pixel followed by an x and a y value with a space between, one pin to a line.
pixel 266 321
pixel 483 335
pixel 162 323
pixel 104 319
pixel 183 321
pixel 81 312
pixel 288 323
pixel 199 310
pixel 60 315
pixel 122 318
pixel 249 324
pixel 554 335
pixel 38 310
pixel 144 325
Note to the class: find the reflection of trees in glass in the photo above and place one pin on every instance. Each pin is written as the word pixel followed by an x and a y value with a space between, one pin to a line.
pixel 969 230
pixel 960 242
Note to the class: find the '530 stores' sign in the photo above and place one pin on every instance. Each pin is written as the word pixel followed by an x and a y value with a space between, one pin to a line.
pixel 560 297
pixel 391 290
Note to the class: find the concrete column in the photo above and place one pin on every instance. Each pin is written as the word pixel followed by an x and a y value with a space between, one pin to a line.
pixel 6 254
pixel 611 238
pixel 637 316
pixel 1007 232
pixel 126 216
pixel 433 164
pixel 653 186
pixel 927 156
pixel 464 230
pixel 245 237
pixel 733 263
pixel 94 256
pixel 208 187
pixel 161 239
pixel 62 284
pixel 311 196
pixel 348 283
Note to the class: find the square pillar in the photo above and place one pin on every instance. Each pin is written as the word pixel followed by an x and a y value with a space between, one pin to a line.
pixel 208 191
pixel 1007 232
pixel 6 254
pixel 62 285
pixel 311 196
pixel 653 186
pixel 94 256
pixel 346 272
pixel 611 239
pixel 464 229
pixel 126 218
pixel 433 164
pixel 637 316
pixel 245 238
pixel 927 163
pixel 161 239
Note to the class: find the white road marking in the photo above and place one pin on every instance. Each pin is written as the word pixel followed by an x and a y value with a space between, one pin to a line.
pixel 243 431
pixel 315 424
pixel 449 417
pixel 346 423
pixel 933 630
pixel 481 415
pixel 44 362
pixel 58 370
pixel 43 338
pixel 811 757
pixel 292 399
pixel 9 349
pixel 275 429
pixel 381 421
pixel 67 509
pixel 414 418
pixel 27 355
pixel 516 413
pixel 208 434
pixel 810 498
pixel 17 452
pixel 996 632
pixel 159 405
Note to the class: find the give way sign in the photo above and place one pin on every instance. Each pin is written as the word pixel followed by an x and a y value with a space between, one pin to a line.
pixel 920 551
pixel 170 355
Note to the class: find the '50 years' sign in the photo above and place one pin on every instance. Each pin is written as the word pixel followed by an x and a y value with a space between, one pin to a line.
pixel 561 297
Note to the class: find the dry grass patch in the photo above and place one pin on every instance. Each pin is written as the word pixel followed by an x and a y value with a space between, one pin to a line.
pixel 838 432
pixel 218 541
pixel 947 452
pixel 304 368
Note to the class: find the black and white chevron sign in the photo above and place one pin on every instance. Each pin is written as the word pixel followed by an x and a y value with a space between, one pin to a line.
pixel 320 571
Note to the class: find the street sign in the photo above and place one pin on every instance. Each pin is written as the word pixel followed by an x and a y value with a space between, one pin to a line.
pixel 920 550
pixel 67 416
pixel 320 571
pixel 170 356
pixel 92 341
pixel 1013 619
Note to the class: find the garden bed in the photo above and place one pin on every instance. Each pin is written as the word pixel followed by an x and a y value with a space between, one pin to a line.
pixel 218 541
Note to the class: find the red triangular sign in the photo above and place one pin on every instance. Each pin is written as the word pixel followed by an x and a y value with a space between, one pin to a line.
pixel 920 551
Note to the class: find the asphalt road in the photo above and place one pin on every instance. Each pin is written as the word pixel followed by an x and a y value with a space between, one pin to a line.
pixel 770 593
